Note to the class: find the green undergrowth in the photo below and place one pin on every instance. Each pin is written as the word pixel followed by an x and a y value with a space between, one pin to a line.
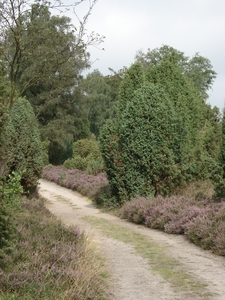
pixel 159 262
pixel 50 260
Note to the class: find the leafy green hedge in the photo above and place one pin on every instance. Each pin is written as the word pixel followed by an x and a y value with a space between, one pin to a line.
pixel 86 157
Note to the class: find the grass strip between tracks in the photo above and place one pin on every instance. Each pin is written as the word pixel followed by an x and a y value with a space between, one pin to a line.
pixel 159 262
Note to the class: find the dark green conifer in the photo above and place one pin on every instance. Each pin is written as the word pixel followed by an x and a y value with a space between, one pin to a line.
pixel 24 149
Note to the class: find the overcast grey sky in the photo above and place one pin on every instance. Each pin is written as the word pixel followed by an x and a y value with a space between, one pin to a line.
pixel 189 26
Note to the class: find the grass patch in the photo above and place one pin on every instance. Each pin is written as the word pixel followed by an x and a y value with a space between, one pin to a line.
pixel 167 267
pixel 50 260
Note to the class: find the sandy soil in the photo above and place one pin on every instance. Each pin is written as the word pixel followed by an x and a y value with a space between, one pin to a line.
pixel 131 276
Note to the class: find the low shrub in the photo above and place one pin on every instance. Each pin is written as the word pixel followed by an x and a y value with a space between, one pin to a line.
pixel 94 166
pixel 86 157
pixel 10 194
pixel 85 147
pixel 208 228
pixel 76 162
pixel 92 186
pixel 202 221
pixel 179 222
pixel 50 261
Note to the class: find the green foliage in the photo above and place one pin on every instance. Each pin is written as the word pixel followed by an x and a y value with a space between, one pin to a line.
pixel 100 95
pixel 165 134
pixel 223 143
pixel 133 79
pixel 11 190
pixel 219 188
pixel 112 160
pixel 3 120
pixel 76 162
pixel 197 69
pixel 86 157
pixel 53 96
pixel 198 131
pixel 10 194
pixel 107 202
pixel 219 182
pixel 4 113
pixel 35 45
pixel 86 147
pixel 94 166
pixel 47 70
pixel 140 159
pixel 59 150
pixel 212 132
pixel 146 141
pixel 155 56
pixel 45 149
pixel 24 149
pixel 97 100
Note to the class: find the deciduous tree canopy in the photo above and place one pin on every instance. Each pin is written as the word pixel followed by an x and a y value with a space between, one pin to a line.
pixel 43 55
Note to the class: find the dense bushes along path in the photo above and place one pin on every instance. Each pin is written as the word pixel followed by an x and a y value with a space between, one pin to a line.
pixel 143 263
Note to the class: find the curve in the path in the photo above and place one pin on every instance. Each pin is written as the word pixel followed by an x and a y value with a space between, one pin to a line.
pixel 131 277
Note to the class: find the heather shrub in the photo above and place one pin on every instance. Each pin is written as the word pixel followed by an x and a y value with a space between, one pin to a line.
pixel 92 186
pixel 219 236
pixel 156 212
pixel 179 222
pixel 10 193
pixel 47 252
pixel 208 229
pixel 202 221
pixel 134 210
pixel 198 231
pixel 158 215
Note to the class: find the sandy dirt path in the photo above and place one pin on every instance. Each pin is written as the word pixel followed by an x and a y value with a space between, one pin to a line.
pixel 131 276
